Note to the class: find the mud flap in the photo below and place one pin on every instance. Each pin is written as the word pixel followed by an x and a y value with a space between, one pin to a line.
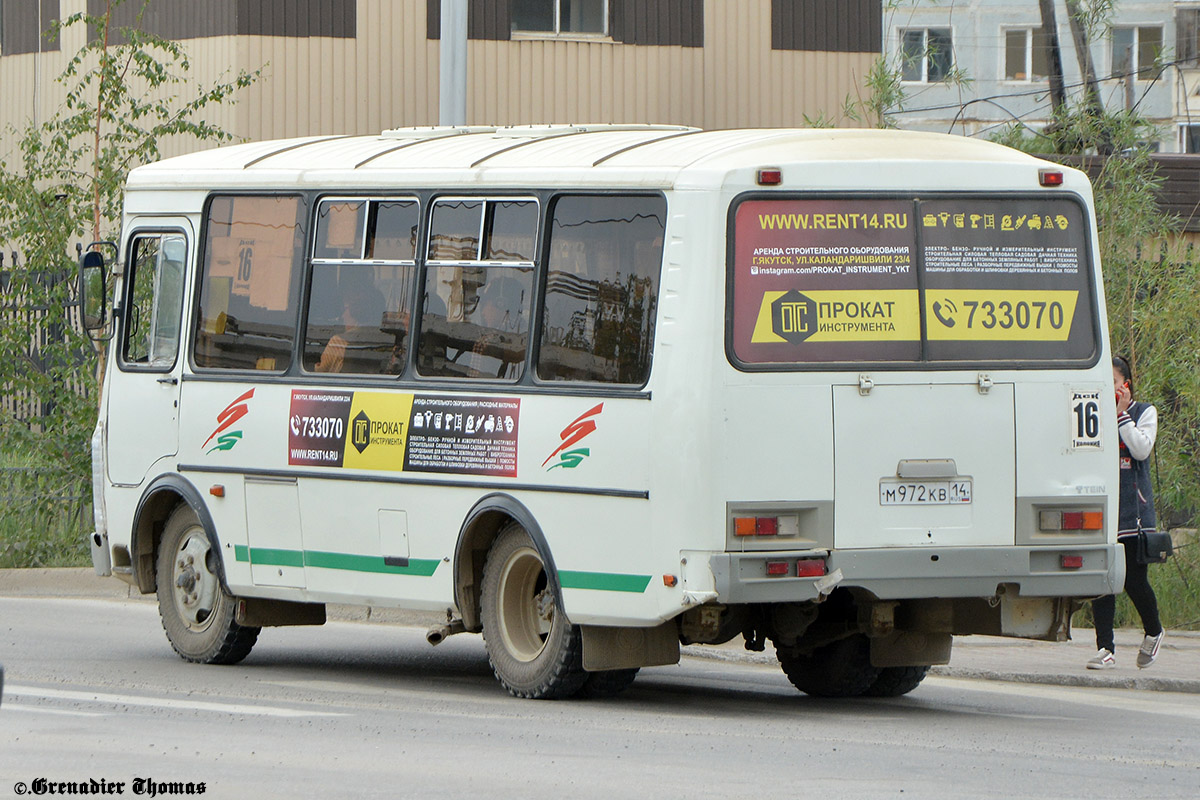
pixel 910 649
pixel 606 647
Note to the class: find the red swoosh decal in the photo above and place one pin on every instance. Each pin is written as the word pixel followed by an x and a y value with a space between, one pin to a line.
pixel 232 413
pixel 574 432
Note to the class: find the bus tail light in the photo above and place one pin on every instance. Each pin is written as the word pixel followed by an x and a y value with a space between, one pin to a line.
pixel 1071 562
pixel 777 568
pixel 1071 520
pixel 785 525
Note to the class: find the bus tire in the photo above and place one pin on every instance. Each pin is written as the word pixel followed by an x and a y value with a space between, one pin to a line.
pixel 896 681
pixel 838 669
pixel 534 651
pixel 197 612
pixel 608 683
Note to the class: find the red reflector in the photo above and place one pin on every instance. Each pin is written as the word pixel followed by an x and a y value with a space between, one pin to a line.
pixel 770 177
pixel 777 568
pixel 1072 521
pixel 767 526
pixel 1050 177
pixel 1071 562
pixel 810 567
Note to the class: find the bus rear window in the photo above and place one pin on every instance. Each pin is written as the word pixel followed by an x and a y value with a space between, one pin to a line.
pixel 946 280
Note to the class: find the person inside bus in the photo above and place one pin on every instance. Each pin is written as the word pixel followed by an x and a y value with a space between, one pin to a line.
pixel 1137 426
pixel 499 313
pixel 363 307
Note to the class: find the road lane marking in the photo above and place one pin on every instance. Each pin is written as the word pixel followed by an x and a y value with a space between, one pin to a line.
pixel 162 702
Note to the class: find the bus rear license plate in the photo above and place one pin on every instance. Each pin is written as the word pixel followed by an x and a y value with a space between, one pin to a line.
pixel 924 493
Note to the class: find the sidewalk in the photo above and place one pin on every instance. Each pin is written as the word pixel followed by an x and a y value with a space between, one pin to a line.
pixel 984 657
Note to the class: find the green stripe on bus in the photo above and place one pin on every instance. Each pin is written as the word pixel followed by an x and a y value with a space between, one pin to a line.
pixel 276 558
pixel 603 581
pixel 420 567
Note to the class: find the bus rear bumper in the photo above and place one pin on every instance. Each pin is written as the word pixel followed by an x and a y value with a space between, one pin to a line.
pixel 914 573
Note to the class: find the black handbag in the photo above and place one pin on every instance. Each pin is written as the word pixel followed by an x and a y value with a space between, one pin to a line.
pixel 1153 547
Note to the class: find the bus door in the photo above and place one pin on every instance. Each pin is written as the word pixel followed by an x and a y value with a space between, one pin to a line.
pixel 143 408
pixel 923 464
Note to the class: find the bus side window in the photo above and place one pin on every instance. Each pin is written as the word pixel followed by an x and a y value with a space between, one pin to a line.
pixel 603 266
pixel 478 288
pixel 358 308
pixel 253 257
pixel 155 301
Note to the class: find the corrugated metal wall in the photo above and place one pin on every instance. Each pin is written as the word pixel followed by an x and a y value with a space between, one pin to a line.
pixel 386 76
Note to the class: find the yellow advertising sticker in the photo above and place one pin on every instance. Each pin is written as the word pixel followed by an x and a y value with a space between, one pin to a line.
pixel 838 316
pixel 1000 315
pixel 377 431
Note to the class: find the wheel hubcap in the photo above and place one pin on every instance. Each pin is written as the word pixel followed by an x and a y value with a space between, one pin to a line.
pixel 527 605
pixel 195 587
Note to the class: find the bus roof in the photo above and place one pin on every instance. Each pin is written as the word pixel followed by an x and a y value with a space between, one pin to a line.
pixel 650 156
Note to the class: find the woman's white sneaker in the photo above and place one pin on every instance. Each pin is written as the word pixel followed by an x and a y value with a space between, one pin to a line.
pixel 1103 660
pixel 1149 650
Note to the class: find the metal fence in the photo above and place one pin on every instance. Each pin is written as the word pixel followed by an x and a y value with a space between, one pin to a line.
pixel 22 313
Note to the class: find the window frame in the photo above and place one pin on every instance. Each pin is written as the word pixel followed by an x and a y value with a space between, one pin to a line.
pixel 1029 48
pixel 921 365
pixel 926 55
pixel 299 291
pixel 1117 72
pixel 558 33
pixel 127 289
pixel 312 261
pixel 543 281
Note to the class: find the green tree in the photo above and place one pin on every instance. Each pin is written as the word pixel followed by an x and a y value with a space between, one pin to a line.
pixel 125 92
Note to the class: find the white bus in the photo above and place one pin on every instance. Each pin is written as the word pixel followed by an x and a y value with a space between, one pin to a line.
pixel 596 391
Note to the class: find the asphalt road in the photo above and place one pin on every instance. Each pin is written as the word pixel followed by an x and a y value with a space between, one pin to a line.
pixel 94 693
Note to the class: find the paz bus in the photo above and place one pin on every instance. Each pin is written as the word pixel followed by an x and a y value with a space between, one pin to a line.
pixel 599 391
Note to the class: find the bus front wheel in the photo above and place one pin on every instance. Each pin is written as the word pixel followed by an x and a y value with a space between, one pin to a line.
pixel 534 651
pixel 197 613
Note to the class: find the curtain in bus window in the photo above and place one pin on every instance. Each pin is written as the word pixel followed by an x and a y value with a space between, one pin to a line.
pixel 603 266
pixel 1006 279
pixel 253 256
pixel 475 322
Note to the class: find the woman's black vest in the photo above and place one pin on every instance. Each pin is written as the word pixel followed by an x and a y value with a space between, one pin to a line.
pixel 1135 476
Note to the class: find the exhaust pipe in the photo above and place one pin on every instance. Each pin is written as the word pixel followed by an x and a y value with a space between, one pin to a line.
pixel 438 633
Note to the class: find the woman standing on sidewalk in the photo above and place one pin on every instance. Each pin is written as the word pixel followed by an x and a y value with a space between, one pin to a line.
pixel 1137 425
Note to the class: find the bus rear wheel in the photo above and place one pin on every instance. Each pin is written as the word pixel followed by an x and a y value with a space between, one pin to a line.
pixel 838 669
pixel 534 651
pixel 197 613
pixel 896 681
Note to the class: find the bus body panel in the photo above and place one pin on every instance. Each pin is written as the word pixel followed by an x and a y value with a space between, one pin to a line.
pixel 355 489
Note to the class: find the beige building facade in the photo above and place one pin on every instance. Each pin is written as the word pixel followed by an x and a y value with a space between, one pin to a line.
pixel 362 66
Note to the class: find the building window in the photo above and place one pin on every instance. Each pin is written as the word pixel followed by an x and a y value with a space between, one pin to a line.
pixel 1189 138
pixel 926 54
pixel 560 16
pixel 1187 36
pixel 1026 55
pixel 1144 43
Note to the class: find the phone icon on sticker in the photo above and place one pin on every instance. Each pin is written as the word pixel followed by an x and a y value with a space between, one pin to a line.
pixel 945 319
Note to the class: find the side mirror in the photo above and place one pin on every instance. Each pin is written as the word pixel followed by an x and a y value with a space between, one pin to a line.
pixel 93 288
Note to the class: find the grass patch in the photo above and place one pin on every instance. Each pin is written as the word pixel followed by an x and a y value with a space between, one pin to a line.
pixel 44 521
